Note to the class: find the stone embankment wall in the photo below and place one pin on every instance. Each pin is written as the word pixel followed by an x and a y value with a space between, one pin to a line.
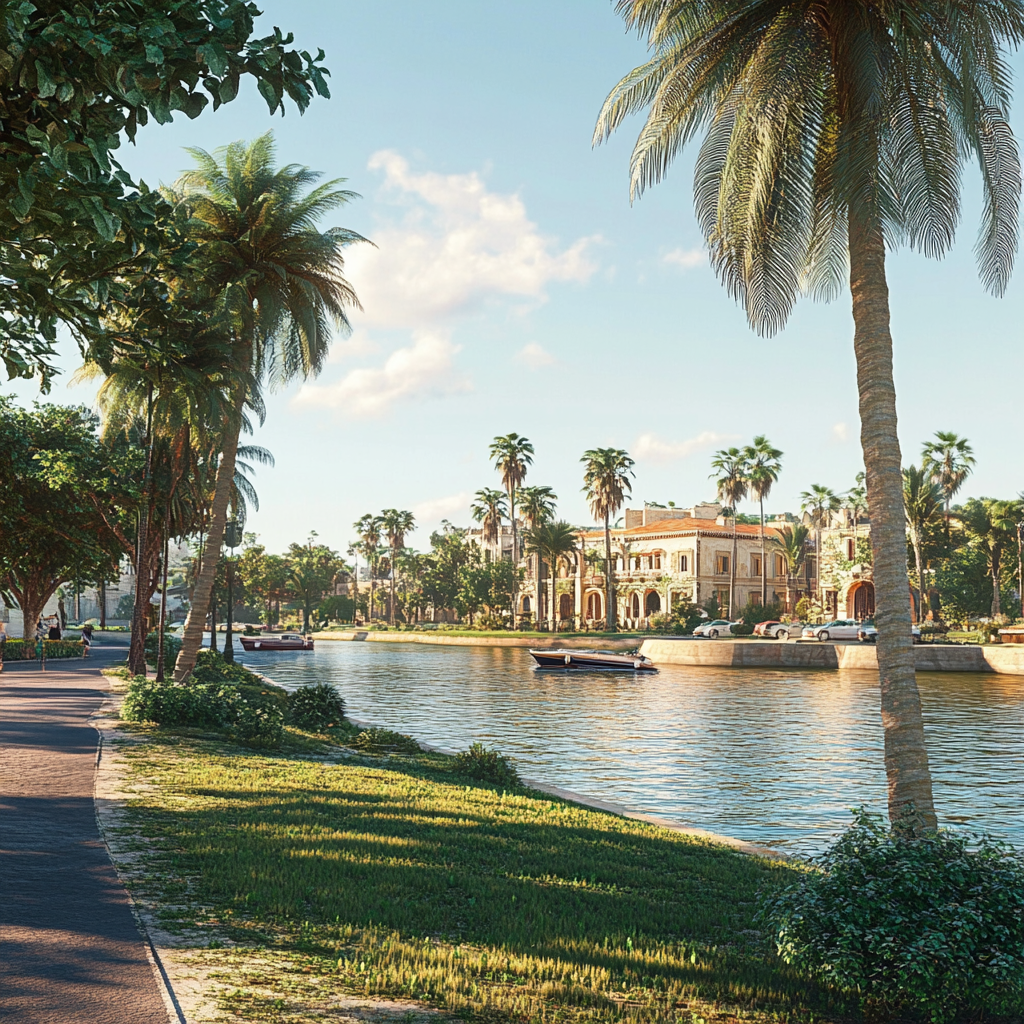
pixel 447 640
pixel 1007 659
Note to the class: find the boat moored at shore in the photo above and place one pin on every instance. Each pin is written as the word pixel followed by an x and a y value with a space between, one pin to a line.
pixel 605 660
pixel 284 642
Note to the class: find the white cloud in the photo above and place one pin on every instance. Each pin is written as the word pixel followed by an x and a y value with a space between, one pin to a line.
pixel 534 356
pixel 424 369
pixel 841 432
pixel 651 448
pixel 436 509
pixel 685 259
pixel 456 247
pixel 358 343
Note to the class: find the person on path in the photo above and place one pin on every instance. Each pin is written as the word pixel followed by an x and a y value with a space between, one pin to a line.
pixel 86 639
pixel 54 631
pixel 40 629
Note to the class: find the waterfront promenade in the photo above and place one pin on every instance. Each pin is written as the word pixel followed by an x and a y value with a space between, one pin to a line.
pixel 71 949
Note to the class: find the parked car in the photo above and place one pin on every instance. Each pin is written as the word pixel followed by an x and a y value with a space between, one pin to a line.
pixel 775 629
pixel 837 629
pixel 868 633
pixel 715 628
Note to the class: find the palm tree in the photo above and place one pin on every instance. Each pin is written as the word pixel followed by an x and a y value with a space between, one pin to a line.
pixel 279 281
pixel 555 542
pixel 490 511
pixel 396 524
pixel 763 467
pixel 922 500
pixel 536 506
pixel 605 482
pixel 732 483
pixel 792 542
pixel 820 502
pixel 834 130
pixel 856 499
pixel 369 528
pixel 949 460
pixel 512 455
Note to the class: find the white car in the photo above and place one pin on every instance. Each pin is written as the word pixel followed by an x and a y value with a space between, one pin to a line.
pixel 869 634
pixel 715 628
pixel 837 629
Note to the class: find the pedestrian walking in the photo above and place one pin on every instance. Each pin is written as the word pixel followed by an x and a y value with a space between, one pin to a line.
pixel 86 639
pixel 53 633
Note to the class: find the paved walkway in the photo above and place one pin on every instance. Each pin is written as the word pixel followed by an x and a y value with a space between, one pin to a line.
pixel 69 947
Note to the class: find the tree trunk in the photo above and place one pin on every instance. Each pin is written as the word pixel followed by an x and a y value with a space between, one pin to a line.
pixel 611 619
pixel 103 604
pixel 163 600
pixel 732 572
pixel 213 621
pixel 997 565
pixel 553 613
pixel 229 644
pixel 140 615
pixel 915 540
pixel 906 757
pixel 391 613
pixel 764 563
pixel 515 552
pixel 193 633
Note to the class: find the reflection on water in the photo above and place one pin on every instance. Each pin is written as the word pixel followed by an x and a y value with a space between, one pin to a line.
pixel 768 756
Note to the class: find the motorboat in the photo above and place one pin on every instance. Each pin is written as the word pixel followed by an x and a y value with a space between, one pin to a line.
pixel 284 642
pixel 579 659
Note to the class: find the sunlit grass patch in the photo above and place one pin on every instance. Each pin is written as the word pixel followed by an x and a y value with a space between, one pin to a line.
pixel 393 877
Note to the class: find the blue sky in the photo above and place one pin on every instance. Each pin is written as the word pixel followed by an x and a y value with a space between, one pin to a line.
pixel 513 287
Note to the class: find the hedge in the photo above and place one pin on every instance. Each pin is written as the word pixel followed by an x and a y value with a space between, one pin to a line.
pixel 28 650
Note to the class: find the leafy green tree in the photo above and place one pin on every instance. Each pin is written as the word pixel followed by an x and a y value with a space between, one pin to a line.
pixel 512 455
pixel 606 473
pixel 451 552
pixel 314 568
pixel 991 527
pixel 732 483
pixel 764 463
pixel 556 543
pixel 50 530
pixel 276 276
pixel 74 80
pixel 792 544
pixel 922 502
pixel 835 131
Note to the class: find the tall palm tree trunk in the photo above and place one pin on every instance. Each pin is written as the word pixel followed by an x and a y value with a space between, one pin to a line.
pixel 732 571
pixel 140 614
pixel 553 613
pixel 610 618
pixel 394 570
pixel 997 564
pixel 906 757
pixel 163 595
pixel 515 553
pixel 764 561
pixel 920 577
pixel 195 622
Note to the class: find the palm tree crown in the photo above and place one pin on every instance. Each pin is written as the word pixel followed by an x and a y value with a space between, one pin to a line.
pixel 490 511
pixel 949 459
pixel 764 463
pixel 555 542
pixel 922 500
pixel 395 523
pixel 732 483
pixel 536 505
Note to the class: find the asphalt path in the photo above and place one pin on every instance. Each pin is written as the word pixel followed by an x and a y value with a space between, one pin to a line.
pixel 70 950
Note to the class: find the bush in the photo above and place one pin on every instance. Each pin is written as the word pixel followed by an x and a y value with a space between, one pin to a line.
pixel 684 618
pixel 487 766
pixel 753 613
pixel 384 741
pixel 219 696
pixel 172 644
pixel 742 629
pixel 933 924
pixel 490 621
pixel 27 650
pixel 315 707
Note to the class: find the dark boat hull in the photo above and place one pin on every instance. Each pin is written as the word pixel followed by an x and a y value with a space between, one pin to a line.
pixel 593 660
pixel 257 643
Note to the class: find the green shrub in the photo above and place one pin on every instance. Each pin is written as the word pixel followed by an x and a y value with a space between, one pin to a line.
pixel 684 618
pixel 933 924
pixel 218 696
pixel 486 766
pixel 315 707
pixel 172 644
pixel 20 650
pixel 753 613
pixel 384 741
pixel 742 629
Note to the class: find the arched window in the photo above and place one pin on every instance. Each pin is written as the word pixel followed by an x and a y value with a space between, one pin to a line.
pixel 526 606
pixel 565 607
pixel 635 607
pixel 652 603
pixel 594 606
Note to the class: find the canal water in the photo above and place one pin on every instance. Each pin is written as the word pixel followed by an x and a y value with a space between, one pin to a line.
pixel 772 757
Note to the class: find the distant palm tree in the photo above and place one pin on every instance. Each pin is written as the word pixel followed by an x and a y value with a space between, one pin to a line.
pixel 922 500
pixel 512 455
pixel 819 502
pixel 395 524
pixel 490 511
pixel 536 506
pixel 763 467
pixel 949 460
pixel 277 278
pixel 555 542
pixel 732 482
pixel 856 499
pixel 369 528
pixel 792 542
pixel 605 482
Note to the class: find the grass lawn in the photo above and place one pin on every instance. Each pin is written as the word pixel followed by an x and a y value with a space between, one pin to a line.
pixel 392 876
